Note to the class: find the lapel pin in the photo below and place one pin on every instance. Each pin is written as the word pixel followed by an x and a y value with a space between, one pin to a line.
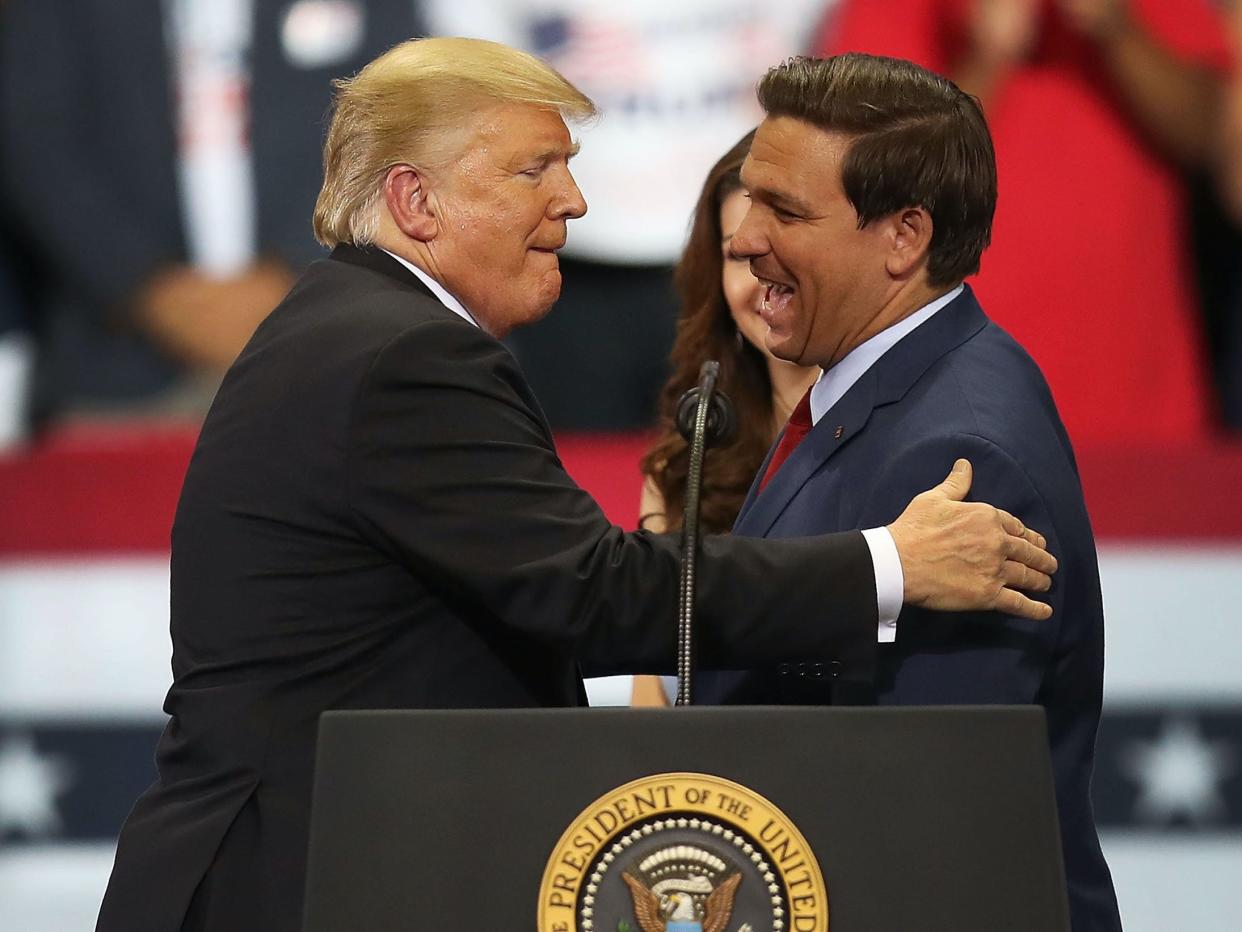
pixel 839 432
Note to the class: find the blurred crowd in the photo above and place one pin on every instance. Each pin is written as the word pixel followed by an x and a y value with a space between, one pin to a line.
pixel 159 160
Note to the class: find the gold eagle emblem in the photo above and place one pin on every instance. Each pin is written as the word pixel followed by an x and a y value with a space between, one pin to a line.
pixel 678 908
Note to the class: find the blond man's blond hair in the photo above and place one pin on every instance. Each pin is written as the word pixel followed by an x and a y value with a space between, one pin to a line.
pixel 411 105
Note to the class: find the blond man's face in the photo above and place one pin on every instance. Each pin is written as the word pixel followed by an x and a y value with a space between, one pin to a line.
pixel 502 210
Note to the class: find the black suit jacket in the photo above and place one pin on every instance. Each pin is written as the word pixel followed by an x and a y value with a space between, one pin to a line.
pixel 375 517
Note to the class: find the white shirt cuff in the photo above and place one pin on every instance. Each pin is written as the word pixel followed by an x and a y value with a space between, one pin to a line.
pixel 890 582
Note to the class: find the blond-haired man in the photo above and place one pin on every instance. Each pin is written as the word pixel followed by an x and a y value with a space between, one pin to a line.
pixel 375 515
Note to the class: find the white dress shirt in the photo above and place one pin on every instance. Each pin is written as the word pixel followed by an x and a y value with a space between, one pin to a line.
pixel 833 383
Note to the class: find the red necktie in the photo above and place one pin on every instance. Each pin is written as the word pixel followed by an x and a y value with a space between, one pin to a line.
pixel 799 426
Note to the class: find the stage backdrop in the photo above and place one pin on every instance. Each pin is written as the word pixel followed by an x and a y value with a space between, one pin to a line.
pixel 84 653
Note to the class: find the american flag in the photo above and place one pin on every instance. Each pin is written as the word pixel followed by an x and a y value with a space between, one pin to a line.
pixel 596 52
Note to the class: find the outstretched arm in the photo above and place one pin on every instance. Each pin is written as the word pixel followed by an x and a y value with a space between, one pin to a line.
pixel 453 473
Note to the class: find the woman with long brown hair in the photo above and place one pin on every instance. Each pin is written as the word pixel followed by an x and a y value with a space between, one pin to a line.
pixel 720 320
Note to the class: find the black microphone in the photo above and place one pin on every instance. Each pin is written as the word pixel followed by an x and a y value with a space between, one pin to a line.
pixel 705 418
pixel 721 425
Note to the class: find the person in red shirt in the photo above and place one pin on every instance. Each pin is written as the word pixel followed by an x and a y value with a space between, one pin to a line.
pixel 1095 107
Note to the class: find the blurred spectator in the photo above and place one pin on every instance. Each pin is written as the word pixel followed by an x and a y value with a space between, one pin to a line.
pixel 1096 107
pixel 168 228
pixel 676 86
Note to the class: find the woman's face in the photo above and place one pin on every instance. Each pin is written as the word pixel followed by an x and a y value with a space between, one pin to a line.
pixel 742 291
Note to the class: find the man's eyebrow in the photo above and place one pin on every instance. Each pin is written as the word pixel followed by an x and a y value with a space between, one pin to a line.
pixel 778 199
pixel 554 153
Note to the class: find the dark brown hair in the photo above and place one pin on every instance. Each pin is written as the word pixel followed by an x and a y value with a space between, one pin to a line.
pixel 706 330
pixel 919 141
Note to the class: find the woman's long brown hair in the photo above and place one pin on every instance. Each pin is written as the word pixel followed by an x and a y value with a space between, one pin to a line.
pixel 706 330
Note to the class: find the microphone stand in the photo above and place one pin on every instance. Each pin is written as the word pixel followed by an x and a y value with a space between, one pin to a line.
pixel 704 418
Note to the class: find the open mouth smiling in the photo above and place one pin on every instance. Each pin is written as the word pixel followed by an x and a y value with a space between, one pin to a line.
pixel 776 296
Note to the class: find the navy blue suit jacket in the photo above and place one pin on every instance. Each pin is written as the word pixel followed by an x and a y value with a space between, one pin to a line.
pixel 959 386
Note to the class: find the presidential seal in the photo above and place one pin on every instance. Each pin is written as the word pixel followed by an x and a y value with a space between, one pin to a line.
pixel 682 852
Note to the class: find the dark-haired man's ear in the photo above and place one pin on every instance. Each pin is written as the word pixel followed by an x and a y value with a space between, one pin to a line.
pixel 409 203
pixel 910 241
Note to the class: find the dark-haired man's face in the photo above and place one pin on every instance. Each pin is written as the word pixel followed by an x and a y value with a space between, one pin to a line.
pixel 826 280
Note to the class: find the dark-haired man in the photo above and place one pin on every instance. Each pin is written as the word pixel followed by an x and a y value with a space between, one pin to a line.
pixel 873 185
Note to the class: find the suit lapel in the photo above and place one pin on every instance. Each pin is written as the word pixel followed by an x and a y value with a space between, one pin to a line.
pixel 751 494
pixel 837 427
pixel 892 376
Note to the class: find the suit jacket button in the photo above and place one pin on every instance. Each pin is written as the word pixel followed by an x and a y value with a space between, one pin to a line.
pixel 835 669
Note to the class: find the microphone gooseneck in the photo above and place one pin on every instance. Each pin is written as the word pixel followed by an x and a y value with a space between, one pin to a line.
pixel 705 418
